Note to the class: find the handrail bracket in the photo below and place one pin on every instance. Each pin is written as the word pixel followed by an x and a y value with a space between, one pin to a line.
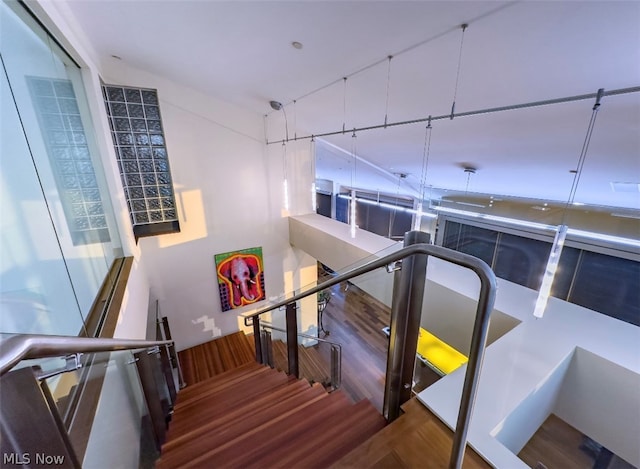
pixel 72 363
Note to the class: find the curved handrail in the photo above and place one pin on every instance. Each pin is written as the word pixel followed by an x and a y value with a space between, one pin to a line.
pixel 29 346
pixel 466 260
pixel 486 300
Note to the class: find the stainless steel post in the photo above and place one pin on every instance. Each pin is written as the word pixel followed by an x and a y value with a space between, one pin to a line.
pixel 406 310
pixel 292 339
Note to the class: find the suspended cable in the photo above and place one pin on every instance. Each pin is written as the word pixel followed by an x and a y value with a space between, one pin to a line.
pixel 352 211
pixel 425 159
pixel 423 177
pixel 511 107
pixel 408 49
pixel 386 106
pixel 344 105
pixel 295 121
pixel 561 233
pixel 583 152
pixel 455 89
pixel 312 155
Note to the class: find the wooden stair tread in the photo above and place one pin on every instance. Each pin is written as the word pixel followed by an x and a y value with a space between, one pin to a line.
pixel 231 382
pixel 220 402
pixel 192 389
pixel 245 414
pixel 325 442
pixel 216 436
pixel 211 358
pixel 255 444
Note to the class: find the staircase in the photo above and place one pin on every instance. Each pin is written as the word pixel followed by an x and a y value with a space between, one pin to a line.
pixel 238 413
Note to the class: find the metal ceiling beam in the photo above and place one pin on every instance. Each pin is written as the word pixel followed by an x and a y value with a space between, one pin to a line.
pixel 511 107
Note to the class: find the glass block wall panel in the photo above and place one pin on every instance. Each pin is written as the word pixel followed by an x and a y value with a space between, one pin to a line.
pixel 138 138
pixel 66 143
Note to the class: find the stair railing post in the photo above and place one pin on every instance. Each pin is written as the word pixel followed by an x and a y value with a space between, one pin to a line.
pixel 267 348
pixel 292 339
pixel 257 338
pixel 336 367
pixel 406 310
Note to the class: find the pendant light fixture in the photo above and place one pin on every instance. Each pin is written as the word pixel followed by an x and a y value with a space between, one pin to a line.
pixel 277 106
pixel 561 233
pixel 284 178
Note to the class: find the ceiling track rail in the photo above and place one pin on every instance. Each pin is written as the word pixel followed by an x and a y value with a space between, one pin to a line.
pixel 449 116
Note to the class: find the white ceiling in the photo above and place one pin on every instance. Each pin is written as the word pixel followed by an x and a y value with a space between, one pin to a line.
pixel 514 52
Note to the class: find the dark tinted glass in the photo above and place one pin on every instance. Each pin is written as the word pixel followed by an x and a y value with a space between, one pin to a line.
pixel 478 242
pixel 521 260
pixel 565 273
pixel 342 210
pixel 323 204
pixel 610 285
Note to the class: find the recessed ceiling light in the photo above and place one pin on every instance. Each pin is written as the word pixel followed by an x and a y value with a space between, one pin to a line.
pixel 296 45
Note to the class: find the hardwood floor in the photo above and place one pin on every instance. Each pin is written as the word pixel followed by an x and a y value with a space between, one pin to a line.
pixel 418 439
pixel 557 444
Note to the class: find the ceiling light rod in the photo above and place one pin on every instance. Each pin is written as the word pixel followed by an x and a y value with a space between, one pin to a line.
pixel 581 97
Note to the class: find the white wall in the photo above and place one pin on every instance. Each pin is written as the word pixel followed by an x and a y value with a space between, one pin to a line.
pixel 601 399
pixel 229 193
pixel 521 424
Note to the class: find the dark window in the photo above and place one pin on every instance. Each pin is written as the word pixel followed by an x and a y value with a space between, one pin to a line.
pixel 342 209
pixel 608 284
pixel 603 283
pixel 323 204
pixel 136 128
pixel 478 242
pixel 521 260
pixel 565 273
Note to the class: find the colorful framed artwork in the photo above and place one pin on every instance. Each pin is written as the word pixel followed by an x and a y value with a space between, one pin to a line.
pixel 240 277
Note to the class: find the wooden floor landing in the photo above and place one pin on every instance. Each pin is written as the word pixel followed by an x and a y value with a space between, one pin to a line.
pixel 418 439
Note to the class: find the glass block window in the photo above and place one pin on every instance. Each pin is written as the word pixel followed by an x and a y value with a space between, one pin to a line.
pixel 136 128
pixel 66 143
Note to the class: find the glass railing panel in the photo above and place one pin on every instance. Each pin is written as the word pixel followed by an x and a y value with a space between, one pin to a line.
pixel 121 433
pixel 351 316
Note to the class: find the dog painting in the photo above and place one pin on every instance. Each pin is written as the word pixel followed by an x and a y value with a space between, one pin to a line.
pixel 240 278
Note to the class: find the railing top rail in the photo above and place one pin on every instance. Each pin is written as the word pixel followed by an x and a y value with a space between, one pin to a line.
pixel 30 346
pixel 482 270
pixel 306 336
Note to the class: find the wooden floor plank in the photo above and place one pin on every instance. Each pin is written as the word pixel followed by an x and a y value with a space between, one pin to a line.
pixel 418 439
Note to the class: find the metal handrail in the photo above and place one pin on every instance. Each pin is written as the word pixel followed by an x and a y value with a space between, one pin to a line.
pixel 486 300
pixel 301 334
pixel 31 346
pixel 466 260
